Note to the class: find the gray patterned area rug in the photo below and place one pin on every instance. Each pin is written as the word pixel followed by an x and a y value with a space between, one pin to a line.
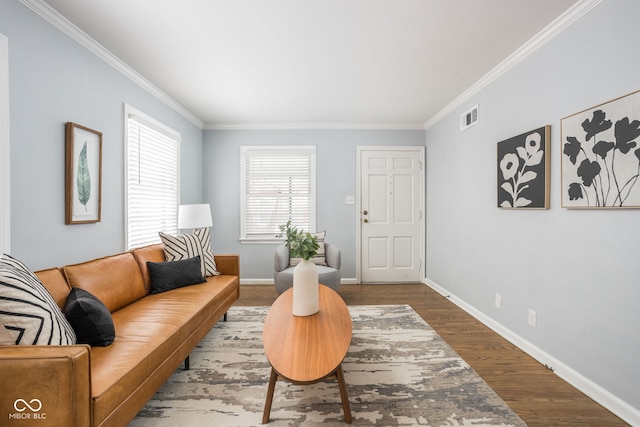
pixel 398 372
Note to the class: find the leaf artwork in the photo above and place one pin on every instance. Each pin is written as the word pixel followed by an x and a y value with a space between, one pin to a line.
pixel 521 171
pixel 83 180
pixel 602 160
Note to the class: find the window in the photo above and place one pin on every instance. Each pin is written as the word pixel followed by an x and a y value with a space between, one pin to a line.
pixel 278 184
pixel 152 159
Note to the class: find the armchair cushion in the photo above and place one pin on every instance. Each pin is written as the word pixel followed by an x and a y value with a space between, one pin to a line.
pixel 333 256
pixel 281 258
pixel 328 274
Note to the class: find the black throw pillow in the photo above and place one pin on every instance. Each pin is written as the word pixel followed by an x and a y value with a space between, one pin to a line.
pixel 174 274
pixel 90 318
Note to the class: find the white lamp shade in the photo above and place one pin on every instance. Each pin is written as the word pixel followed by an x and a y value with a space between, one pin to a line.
pixel 194 216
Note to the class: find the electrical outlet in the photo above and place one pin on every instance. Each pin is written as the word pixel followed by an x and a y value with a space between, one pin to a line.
pixel 349 200
pixel 498 301
pixel 532 318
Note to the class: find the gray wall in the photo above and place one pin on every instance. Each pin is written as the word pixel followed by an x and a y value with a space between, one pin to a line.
pixel 578 269
pixel 336 178
pixel 53 80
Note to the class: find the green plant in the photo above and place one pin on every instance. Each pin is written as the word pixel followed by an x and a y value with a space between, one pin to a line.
pixel 83 181
pixel 301 245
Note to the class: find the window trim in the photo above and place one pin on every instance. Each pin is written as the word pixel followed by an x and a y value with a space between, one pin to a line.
pixel 150 122
pixel 244 150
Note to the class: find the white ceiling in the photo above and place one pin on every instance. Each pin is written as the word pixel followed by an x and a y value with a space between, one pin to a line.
pixel 247 62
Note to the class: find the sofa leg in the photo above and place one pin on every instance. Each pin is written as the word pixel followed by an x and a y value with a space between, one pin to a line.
pixel 225 317
pixel 186 364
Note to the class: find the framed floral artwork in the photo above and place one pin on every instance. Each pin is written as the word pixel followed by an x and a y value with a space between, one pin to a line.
pixel 601 155
pixel 83 190
pixel 523 170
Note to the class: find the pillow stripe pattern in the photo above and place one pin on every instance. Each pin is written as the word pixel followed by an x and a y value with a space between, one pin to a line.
pixel 185 246
pixel 319 258
pixel 27 310
pixel 205 240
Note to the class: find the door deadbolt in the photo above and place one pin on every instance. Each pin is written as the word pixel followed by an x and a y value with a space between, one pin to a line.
pixel 365 212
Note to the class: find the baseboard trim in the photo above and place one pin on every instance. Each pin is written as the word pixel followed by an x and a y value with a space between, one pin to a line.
pixel 600 395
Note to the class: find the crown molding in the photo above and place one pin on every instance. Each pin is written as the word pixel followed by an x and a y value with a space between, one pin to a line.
pixel 308 126
pixel 71 30
pixel 575 12
pixel 75 33
pixel 549 32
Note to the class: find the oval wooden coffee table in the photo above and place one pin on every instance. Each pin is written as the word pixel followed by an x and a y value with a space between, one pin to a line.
pixel 306 350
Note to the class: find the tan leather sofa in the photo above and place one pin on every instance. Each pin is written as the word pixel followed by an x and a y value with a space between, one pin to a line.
pixel 107 386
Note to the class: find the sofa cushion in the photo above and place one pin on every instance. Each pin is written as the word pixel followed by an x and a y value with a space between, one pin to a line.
pixel 53 279
pixel 90 318
pixel 150 253
pixel 155 334
pixel 174 274
pixel 185 246
pixel 27 311
pixel 115 280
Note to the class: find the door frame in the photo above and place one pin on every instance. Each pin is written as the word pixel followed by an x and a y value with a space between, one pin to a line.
pixel 358 217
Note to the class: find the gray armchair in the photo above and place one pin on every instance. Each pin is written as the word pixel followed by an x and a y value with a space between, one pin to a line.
pixel 328 275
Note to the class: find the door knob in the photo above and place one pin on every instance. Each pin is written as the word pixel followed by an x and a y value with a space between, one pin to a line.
pixel 366 220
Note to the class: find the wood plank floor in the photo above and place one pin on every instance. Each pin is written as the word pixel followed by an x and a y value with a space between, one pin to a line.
pixel 535 393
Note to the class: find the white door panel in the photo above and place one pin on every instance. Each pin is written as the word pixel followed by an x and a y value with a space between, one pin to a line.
pixel 378 250
pixel 391 222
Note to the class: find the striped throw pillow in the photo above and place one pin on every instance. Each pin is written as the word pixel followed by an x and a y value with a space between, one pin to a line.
pixel 185 246
pixel 5 337
pixel 27 311
pixel 320 258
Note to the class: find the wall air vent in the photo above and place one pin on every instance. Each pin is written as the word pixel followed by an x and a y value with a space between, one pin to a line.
pixel 469 118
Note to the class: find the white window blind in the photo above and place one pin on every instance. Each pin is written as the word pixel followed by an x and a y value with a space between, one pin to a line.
pixel 278 185
pixel 151 178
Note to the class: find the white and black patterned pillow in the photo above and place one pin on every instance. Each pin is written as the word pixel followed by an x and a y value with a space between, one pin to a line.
pixel 185 246
pixel 27 311
pixel 319 258
pixel 5 337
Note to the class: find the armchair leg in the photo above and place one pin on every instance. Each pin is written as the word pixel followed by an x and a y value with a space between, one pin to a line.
pixel 225 317
pixel 186 364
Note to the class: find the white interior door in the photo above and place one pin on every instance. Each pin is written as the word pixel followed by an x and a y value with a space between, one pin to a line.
pixel 391 214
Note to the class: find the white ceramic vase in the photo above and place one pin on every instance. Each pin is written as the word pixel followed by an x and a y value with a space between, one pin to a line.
pixel 305 289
